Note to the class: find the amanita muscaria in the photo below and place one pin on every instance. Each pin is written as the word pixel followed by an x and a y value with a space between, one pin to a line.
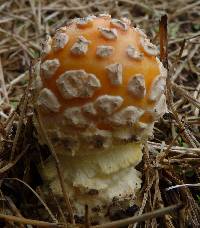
pixel 101 90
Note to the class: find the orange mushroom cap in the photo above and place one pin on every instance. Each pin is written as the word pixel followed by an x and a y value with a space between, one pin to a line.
pixel 100 76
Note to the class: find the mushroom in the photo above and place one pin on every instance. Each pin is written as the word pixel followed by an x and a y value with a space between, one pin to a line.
pixel 102 90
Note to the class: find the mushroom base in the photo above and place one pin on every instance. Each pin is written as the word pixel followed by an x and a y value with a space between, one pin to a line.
pixel 103 180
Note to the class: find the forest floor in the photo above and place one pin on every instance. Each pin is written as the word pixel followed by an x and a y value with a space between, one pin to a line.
pixel 171 159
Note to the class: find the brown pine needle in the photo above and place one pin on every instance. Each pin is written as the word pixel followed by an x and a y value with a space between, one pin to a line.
pixel 26 221
pixel 140 218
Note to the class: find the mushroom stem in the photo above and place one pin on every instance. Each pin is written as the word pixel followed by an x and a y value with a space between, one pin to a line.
pixel 99 179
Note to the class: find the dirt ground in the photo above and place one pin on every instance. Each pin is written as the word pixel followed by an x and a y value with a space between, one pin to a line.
pixel 171 162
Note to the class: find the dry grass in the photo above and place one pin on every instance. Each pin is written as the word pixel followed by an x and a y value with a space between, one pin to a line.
pixel 171 163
